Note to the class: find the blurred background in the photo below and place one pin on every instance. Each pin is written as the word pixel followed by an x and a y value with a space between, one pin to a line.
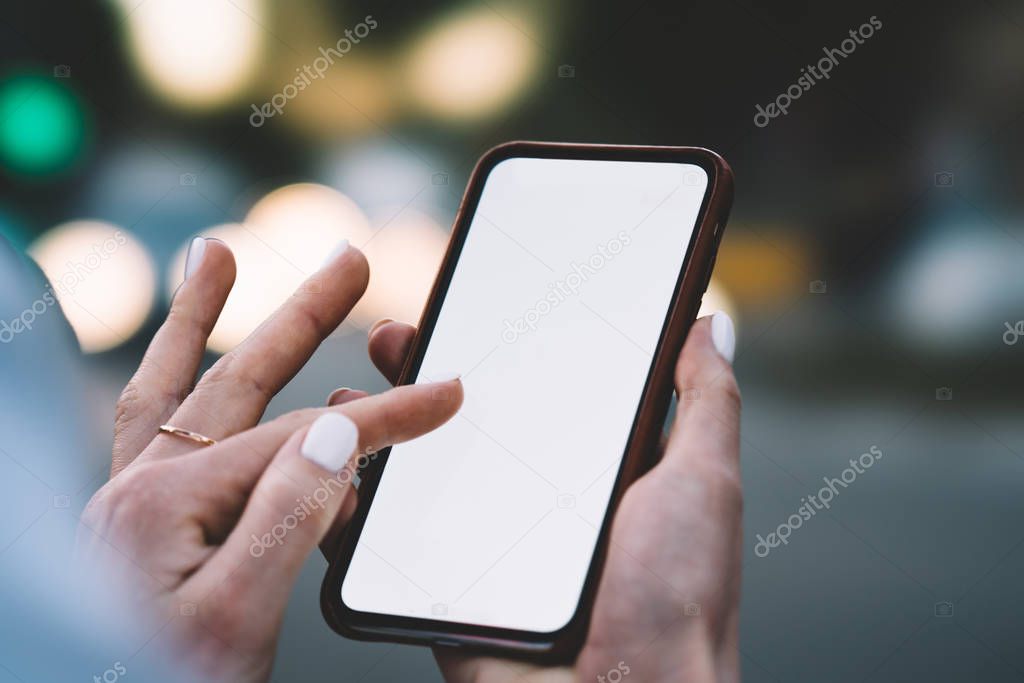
pixel 873 262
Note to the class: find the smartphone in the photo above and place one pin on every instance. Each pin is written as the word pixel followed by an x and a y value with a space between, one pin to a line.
pixel 573 275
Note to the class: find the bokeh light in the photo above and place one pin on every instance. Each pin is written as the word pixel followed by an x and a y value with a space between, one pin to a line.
pixel 103 278
pixel 956 289
pixel 404 254
pixel 383 173
pixel 41 125
pixel 355 95
pixel 716 298
pixel 764 265
pixel 303 223
pixel 260 285
pixel 472 65
pixel 284 240
pixel 196 53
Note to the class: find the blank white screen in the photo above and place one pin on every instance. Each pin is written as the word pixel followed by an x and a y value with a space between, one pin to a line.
pixel 552 317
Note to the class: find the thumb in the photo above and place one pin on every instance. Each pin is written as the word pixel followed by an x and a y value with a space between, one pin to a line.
pixel 705 435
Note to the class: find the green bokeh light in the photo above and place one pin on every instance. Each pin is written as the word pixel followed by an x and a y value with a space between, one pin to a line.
pixel 41 127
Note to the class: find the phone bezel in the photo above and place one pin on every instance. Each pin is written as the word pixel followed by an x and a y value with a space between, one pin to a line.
pixel 644 433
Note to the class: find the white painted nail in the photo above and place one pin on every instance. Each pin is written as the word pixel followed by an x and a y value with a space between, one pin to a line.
pixel 330 441
pixel 444 377
pixel 723 335
pixel 196 250
pixel 339 249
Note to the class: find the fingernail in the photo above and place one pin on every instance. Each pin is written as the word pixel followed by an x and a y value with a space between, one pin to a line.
pixel 439 377
pixel 196 250
pixel 380 323
pixel 330 441
pixel 346 393
pixel 723 335
pixel 338 250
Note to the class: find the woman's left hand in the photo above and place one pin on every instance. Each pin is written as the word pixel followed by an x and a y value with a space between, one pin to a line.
pixel 210 539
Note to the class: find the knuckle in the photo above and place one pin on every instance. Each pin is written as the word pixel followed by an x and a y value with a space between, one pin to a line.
pixel 229 371
pixel 279 493
pixel 728 487
pixel 132 500
pixel 319 322
pixel 722 485
pixel 729 389
pixel 181 317
pixel 220 613
pixel 186 319
pixel 128 406
pixel 148 396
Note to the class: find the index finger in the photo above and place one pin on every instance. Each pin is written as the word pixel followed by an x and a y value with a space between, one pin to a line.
pixel 322 475
pixel 384 419
pixel 232 395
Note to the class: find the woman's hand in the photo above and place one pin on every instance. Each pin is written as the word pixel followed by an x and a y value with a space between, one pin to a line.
pixel 668 603
pixel 209 539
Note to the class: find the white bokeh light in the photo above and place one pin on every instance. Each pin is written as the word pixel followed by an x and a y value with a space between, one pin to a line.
pixel 284 240
pixel 103 278
pixel 404 257
pixel 197 53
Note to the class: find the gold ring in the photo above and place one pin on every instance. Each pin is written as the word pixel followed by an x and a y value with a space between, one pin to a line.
pixel 195 436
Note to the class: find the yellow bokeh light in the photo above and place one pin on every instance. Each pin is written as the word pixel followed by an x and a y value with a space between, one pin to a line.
pixel 103 278
pixel 404 257
pixel 354 96
pixel 717 299
pixel 197 53
pixel 471 65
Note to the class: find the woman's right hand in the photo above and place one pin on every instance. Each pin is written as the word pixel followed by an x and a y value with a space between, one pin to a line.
pixel 209 540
